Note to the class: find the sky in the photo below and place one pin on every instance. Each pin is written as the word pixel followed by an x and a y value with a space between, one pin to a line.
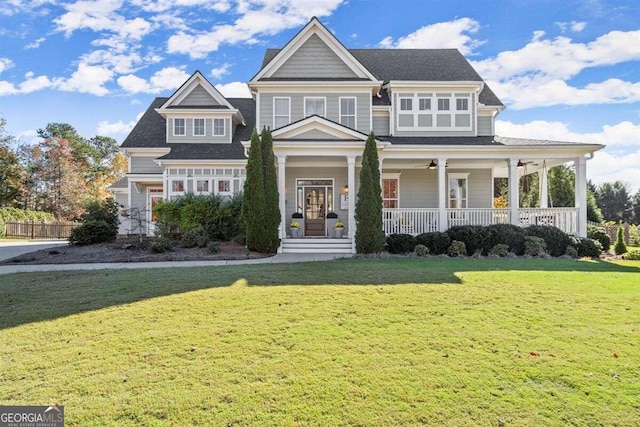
pixel 566 70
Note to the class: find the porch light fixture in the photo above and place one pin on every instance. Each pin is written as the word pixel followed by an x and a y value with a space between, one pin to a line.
pixel 345 189
pixel 433 165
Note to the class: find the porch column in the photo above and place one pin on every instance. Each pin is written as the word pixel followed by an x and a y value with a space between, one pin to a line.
pixel 443 222
pixel 351 182
pixel 581 195
pixel 281 198
pixel 514 197
pixel 544 187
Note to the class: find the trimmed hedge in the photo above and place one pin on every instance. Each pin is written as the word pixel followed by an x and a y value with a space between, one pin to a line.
pixel 507 234
pixel 555 239
pixel 400 243
pixel 437 242
pixel 474 237
pixel 599 234
pixel 92 232
pixel 14 214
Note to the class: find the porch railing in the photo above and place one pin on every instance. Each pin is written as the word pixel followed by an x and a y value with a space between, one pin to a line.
pixel 422 220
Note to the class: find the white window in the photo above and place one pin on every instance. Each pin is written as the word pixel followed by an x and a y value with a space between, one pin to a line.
pixel 202 186
pixel 390 192
pixel 462 104
pixel 177 186
pixel 218 127
pixel 224 186
pixel 458 190
pixel 406 104
pixel 434 111
pixel 348 112
pixel 198 127
pixel 179 127
pixel 443 104
pixel 314 106
pixel 424 104
pixel 281 112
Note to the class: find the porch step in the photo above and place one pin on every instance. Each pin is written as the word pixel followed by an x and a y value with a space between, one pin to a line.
pixel 316 245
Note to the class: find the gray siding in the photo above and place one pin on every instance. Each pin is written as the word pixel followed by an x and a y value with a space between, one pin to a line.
pixel 314 59
pixel 332 107
pixel 381 125
pixel 419 187
pixel 198 97
pixel 452 132
pixel 484 126
pixel 138 200
pixel 144 165
pixel 189 138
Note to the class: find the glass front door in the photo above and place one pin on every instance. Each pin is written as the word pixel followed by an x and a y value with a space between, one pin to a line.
pixel 315 209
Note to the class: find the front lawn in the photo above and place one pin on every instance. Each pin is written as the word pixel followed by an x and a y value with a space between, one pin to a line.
pixel 347 342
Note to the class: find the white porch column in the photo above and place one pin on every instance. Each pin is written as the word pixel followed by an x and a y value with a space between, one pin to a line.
pixel 443 222
pixel 514 196
pixel 281 200
pixel 351 182
pixel 544 187
pixel 581 195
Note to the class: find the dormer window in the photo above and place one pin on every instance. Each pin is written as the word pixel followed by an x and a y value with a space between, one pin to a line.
pixel 314 106
pixel 218 127
pixel 434 111
pixel 179 128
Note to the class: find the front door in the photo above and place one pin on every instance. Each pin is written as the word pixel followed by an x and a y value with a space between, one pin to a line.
pixel 315 209
pixel 154 196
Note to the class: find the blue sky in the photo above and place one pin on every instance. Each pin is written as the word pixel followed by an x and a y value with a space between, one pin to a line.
pixel 566 70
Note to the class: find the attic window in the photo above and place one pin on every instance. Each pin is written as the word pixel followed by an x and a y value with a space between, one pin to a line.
pixel 434 111
pixel 314 106
pixel 179 127
pixel 198 127
pixel 218 127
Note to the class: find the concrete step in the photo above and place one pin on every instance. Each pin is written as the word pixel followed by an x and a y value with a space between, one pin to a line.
pixel 316 245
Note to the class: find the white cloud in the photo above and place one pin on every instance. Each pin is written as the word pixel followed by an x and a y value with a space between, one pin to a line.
pixel 5 64
pixel 165 5
pixel 168 78
pixel 33 84
pixel 86 79
pixel 574 26
pixel 218 72
pixel 452 34
pixel 234 90
pixel 7 88
pixel 537 74
pixel 257 18
pixel 35 44
pixel 619 161
pixel 118 128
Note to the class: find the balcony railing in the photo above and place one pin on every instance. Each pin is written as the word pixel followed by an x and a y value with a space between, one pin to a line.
pixel 422 220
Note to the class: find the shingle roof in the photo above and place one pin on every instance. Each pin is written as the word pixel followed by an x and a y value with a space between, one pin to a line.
pixel 473 140
pixel 121 183
pixel 150 132
pixel 415 64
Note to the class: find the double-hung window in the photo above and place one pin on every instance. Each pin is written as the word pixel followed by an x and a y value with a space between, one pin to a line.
pixel 314 106
pixel 202 186
pixel 348 112
pixel 390 191
pixel 218 127
pixel 281 112
pixel 458 190
pixel 179 128
pixel 198 127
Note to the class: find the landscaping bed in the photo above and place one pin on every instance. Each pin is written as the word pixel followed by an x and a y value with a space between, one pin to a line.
pixel 131 249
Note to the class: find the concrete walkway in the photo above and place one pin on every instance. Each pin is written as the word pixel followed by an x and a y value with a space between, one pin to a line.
pixel 279 258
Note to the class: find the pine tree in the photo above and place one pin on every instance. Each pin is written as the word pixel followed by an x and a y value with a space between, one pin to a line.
pixel 271 196
pixel 369 233
pixel 253 198
pixel 620 248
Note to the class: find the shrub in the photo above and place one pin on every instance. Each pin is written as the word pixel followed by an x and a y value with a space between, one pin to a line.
pixel 457 248
pixel 369 236
pixel 92 232
pixel 500 250
pixel 421 250
pixel 599 234
pixel 632 255
pixel 572 251
pixel 400 243
pixel 240 239
pixel 160 245
pixel 473 236
pixel 589 248
pixel 196 237
pixel 437 242
pixel 3 227
pixel 102 210
pixel 555 239
pixel 507 234
pixel 213 247
pixel 620 247
pixel 535 246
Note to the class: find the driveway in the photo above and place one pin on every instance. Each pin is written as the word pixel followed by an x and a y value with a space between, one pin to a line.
pixel 16 248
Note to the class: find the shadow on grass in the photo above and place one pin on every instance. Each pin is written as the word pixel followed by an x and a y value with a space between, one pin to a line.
pixel 33 297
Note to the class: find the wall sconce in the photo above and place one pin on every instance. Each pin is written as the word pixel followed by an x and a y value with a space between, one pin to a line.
pixel 345 189
pixel 432 165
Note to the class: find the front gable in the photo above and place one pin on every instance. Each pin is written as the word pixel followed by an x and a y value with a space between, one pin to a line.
pixel 317 128
pixel 314 53
pixel 197 92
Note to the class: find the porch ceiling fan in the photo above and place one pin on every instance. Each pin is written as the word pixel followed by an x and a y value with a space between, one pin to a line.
pixel 432 165
pixel 522 164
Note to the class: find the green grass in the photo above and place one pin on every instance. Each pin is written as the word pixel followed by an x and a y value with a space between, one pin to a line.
pixel 348 342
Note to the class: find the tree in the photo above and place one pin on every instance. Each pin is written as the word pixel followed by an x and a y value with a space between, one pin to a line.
pixel 614 201
pixel 104 165
pixel 253 204
pixel 593 211
pixel 271 196
pixel 11 171
pixel 561 182
pixel 635 207
pixel 369 233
